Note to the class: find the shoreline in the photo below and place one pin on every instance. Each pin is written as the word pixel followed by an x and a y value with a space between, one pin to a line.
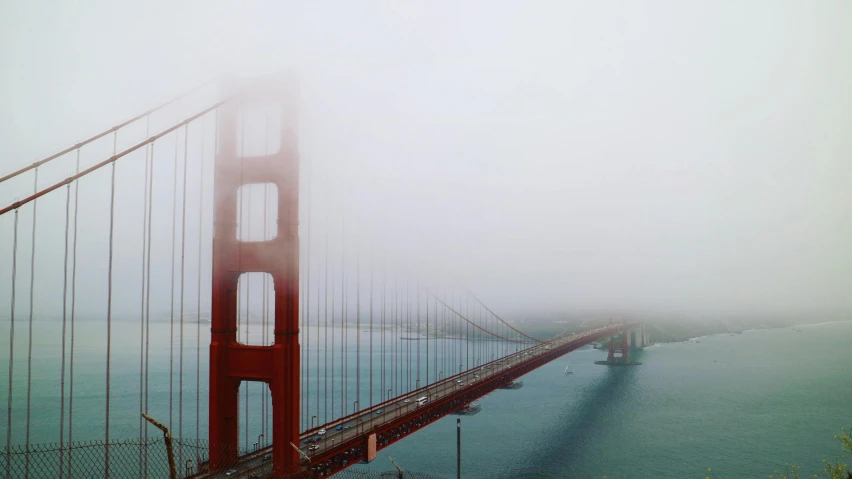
pixel 792 326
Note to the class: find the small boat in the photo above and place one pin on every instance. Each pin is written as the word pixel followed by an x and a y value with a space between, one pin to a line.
pixel 568 370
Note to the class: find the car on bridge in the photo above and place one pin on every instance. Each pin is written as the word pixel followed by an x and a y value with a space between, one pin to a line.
pixel 321 432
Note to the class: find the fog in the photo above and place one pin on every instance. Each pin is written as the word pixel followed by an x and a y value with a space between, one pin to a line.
pixel 674 157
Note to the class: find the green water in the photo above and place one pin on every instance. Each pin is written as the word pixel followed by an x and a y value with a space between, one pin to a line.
pixel 744 405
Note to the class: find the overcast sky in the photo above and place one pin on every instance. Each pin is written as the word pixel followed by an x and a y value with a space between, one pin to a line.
pixel 674 156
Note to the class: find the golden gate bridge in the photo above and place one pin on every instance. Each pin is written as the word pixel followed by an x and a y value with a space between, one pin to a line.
pixel 116 248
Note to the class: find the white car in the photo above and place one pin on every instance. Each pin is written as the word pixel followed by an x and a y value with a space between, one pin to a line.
pixel 321 432
pixel 407 401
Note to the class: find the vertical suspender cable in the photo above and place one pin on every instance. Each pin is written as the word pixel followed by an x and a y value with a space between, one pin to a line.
pixel 172 302
pixel 407 343
pixel 325 313
pixel 319 330
pixel 357 322
pixel 263 312
pixel 454 346
pixel 142 421
pixel 333 347
pixel 11 349
pixel 64 329
pixel 182 284
pixel 30 346
pixel 303 290
pixel 394 313
pixel 243 237
pixel 73 310
pixel 371 333
pixel 198 300
pixel 436 341
pixel 427 339
pixel 148 302
pixel 417 292
pixel 109 307
pixel 481 339
pixel 265 284
pixel 342 332
pixel 308 315
pixel 467 339
pixel 248 308
pixel 344 295
pixel 444 341
pixel 382 341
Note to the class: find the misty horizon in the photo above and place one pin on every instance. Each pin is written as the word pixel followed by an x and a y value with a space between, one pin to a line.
pixel 591 160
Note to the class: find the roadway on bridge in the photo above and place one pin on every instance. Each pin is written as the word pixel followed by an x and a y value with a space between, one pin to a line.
pixel 342 430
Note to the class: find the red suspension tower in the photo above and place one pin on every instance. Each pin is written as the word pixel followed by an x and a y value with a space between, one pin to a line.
pixel 230 361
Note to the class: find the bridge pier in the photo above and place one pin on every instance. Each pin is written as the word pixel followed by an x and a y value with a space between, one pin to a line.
pixel 639 337
pixel 624 359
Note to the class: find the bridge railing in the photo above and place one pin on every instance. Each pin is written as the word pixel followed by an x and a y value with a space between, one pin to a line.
pixel 449 379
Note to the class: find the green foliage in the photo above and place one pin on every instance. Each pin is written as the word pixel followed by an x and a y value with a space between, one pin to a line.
pixel 838 469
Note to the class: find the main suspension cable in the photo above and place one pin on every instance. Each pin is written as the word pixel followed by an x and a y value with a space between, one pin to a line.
pixel 104 133
pixel 471 322
pixel 112 159
pixel 502 321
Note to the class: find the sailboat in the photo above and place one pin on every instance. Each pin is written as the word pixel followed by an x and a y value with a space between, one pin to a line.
pixel 568 370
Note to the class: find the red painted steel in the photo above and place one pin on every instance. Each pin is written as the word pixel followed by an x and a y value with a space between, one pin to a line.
pixel 611 355
pixel 230 361
pixel 350 452
pixel 356 449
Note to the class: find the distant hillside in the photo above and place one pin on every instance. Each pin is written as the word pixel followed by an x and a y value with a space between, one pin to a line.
pixel 673 329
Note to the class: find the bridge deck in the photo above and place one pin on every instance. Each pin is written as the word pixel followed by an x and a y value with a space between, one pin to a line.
pixel 401 416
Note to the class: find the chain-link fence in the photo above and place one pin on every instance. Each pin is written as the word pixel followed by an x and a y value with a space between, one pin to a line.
pixel 367 474
pixel 127 458
pixel 135 458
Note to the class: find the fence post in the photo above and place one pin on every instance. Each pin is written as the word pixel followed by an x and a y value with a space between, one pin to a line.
pixel 169 449
pixel 306 458
pixel 400 475
pixel 458 447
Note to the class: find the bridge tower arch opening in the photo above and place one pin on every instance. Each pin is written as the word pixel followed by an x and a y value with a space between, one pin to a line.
pixel 277 254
